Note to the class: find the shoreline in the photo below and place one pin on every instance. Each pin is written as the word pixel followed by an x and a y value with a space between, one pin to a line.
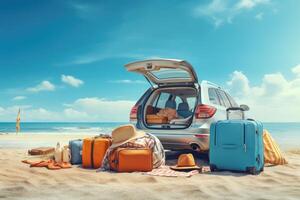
pixel 36 139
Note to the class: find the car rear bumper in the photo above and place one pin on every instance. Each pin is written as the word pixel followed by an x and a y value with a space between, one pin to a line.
pixel 183 139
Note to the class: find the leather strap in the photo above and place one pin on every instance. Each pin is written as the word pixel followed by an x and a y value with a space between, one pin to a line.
pixel 92 153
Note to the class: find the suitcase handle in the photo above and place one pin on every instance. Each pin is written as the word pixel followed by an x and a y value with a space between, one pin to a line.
pixel 235 108
pixel 229 146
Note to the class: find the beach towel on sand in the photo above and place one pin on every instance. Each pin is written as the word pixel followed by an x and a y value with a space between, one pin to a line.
pixel 167 172
pixel 272 152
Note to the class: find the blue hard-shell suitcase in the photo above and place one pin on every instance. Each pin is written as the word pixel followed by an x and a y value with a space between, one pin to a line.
pixel 237 145
pixel 76 147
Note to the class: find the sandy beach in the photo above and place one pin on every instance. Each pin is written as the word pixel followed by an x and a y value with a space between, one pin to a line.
pixel 19 181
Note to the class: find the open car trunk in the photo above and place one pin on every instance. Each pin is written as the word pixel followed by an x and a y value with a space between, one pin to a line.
pixel 170 108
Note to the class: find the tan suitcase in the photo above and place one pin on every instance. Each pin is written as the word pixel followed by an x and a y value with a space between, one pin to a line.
pixel 155 119
pixel 41 151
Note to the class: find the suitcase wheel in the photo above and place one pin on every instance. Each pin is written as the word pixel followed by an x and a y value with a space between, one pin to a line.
pixel 252 170
pixel 213 168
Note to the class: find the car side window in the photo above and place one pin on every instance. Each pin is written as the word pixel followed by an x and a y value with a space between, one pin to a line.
pixel 178 101
pixel 162 99
pixel 191 102
pixel 225 99
pixel 220 98
pixel 213 97
pixel 232 101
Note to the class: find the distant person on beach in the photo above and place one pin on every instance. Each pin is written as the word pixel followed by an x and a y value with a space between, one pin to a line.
pixel 18 128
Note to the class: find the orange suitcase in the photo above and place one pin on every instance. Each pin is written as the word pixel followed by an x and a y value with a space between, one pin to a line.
pixel 131 160
pixel 93 151
pixel 155 119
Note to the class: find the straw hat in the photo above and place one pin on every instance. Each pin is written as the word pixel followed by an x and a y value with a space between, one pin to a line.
pixel 124 134
pixel 186 162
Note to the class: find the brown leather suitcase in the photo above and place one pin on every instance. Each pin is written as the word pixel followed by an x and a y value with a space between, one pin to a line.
pixel 131 160
pixel 155 119
pixel 93 151
pixel 41 151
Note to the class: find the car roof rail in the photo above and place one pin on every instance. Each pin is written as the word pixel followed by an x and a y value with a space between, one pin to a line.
pixel 211 83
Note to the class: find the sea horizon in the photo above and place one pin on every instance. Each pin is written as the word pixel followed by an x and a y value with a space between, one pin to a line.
pixel 285 133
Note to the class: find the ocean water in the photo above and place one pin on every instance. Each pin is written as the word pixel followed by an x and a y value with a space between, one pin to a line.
pixel 60 127
pixel 287 135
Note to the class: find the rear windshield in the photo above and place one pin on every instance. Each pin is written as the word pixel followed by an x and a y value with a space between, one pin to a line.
pixel 167 73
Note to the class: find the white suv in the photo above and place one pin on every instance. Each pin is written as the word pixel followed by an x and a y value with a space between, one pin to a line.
pixel 174 84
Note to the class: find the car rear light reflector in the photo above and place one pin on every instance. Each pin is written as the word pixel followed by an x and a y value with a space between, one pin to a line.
pixel 201 135
pixel 204 111
pixel 133 112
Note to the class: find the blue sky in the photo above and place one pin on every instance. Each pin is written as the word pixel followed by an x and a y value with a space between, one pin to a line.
pixel 62 60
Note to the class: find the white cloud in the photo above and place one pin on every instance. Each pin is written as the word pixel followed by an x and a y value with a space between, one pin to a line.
pixel 296 70
pixel 99 109
pixel 17 98
pixel 274 99
pixel 259 16
pixel 71 80
pixel 127 81
pixel 10 113
pixel 43 86
pixel 83 109
pixel 100 55
pixel 239 83
pixel 220 12
pixel 248 4
pixel 87 11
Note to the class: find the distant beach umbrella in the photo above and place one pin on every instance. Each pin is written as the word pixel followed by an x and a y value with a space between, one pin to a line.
pixel 18 120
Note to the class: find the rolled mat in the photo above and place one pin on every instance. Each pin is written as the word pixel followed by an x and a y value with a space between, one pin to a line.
pixel 272 153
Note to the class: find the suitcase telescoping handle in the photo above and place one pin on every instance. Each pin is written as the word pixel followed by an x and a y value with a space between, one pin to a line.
pixel 235 108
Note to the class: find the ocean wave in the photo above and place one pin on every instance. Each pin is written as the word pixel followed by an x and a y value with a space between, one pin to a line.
pixel 78 129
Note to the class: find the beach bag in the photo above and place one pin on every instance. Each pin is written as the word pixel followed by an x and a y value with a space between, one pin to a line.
pixel 272 152
pixel 131 160
pixel 75 148
pixel 93 151
pixel 155 119
pixel 66 154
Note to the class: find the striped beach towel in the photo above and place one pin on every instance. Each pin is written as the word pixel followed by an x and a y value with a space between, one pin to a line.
pixel 167 172
pixel 272 152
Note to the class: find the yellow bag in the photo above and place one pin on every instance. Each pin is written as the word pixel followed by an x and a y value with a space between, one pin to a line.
pixel 272 152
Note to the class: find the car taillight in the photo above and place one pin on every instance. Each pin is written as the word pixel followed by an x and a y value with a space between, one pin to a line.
pixel 201 135
pixel 133 112
pixel 204 111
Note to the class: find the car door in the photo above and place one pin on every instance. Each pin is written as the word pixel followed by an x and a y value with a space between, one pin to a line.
pixel 224 104
pixel 217 102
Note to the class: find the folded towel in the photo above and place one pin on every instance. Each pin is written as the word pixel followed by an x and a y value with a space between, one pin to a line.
pixel 167 172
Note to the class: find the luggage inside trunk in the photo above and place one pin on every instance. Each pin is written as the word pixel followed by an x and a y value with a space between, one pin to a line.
pixel 171 107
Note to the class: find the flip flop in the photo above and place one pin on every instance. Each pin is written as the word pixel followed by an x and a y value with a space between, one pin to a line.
pixel 65 165
pixel 53 166
pixel 42 163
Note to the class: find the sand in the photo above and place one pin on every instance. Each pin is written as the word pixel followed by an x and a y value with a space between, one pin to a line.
pixel 18 181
